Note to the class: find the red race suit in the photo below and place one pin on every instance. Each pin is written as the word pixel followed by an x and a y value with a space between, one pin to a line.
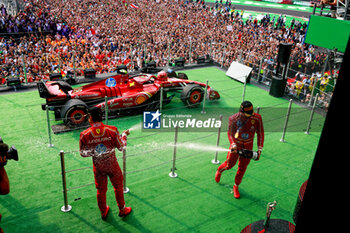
pixel 241 131
pixel 100 141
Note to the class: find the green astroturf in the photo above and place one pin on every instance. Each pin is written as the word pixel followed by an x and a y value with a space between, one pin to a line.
pixel 192 202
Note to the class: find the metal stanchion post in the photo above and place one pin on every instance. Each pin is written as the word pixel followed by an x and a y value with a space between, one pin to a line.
pixel 74 68
pixel 244 88
pixel 66 207
pixel 59 63
pixel 125 189
pixel 106 110
pixel 190 53
pixel 24 70
pixel 215 160
pixel 311 115
pixel 287 69
pixel 172 174
pixel 313 89
pixel 314 9
pixel 48 125
pixel 205 97
pixel 161 99
pixel 260 65
pixel 286 121
pixel 168 55
pixel 223 56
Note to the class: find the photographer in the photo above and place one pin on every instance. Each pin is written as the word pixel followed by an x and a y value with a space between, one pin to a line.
pixel 6 154
pixel 4 179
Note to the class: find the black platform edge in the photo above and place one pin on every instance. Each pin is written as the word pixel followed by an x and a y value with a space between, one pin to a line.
pixel 62 128
pixel 275 226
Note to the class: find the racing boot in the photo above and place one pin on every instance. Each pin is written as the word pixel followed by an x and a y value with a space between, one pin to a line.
pixel 236 192
pixel 125 211
pixel 217 176
pixel 104 215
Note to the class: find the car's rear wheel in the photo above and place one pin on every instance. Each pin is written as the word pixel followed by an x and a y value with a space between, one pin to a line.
pixel 75 113
pixel 154 102
pixel 192 95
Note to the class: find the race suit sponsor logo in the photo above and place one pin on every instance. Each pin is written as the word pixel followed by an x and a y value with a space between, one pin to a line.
pixel 100 149
pixel 99 140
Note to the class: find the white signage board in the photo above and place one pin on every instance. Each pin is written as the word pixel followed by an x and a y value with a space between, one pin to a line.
pixel 238 71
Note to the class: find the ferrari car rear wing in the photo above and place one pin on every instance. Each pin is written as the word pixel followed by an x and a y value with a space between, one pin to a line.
pixel 43 91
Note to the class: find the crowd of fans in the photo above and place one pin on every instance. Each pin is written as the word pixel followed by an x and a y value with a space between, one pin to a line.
pixel 50 36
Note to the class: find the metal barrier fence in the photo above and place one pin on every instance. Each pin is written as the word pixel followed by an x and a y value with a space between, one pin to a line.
pixel 171 162
pixel 302 87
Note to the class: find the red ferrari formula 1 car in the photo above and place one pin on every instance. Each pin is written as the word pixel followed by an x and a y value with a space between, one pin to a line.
pixel 125 94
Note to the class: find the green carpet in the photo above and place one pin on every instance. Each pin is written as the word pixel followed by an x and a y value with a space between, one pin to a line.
pixel 192 202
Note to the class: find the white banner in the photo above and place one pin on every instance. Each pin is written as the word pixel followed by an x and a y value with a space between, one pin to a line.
pixel 238 71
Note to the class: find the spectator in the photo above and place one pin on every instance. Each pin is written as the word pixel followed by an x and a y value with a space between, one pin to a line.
pixel 104 34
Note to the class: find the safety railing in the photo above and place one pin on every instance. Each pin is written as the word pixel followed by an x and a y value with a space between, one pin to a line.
pixel 169 150
pixel 287 118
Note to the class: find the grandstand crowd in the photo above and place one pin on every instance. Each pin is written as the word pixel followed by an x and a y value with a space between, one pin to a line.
pixel 50 36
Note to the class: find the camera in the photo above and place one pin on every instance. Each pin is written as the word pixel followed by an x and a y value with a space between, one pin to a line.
pixel 7 153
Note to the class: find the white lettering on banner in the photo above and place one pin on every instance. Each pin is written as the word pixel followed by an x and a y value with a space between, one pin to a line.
pixel 191 123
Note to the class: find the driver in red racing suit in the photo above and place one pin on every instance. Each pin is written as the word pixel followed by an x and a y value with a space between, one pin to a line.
pixel 241 130
pixel 100 141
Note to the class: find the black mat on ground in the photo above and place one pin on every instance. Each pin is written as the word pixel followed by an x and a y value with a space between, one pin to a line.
pixel 62 128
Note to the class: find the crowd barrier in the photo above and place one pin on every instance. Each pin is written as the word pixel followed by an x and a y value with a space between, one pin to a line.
pixel 172 162
pixel 262 74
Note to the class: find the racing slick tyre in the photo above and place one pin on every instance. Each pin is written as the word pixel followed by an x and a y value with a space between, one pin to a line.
pixel 192 95
pixel 74 113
